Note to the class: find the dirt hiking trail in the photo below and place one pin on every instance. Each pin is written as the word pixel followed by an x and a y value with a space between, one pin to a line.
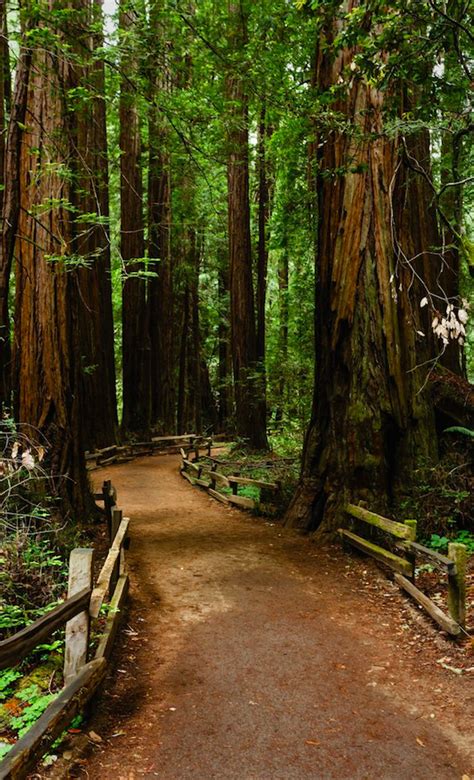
pixel 248 653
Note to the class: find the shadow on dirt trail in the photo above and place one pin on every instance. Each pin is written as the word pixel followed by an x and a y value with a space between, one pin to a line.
pixel 250 654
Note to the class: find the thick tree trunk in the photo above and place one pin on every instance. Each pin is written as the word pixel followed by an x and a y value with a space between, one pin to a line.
pixel 372 417
pixel 47 348
pixel 92 244
pixel 249 397
pixel 136 349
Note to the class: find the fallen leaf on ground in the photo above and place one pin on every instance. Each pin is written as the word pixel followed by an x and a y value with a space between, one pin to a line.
pixel 312 742
pixel 95 737
pixel 420 742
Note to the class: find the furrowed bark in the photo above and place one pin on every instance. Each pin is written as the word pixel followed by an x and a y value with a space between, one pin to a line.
pixel 47 346
pixel 249 397
pixel 372 417
pixel 136 348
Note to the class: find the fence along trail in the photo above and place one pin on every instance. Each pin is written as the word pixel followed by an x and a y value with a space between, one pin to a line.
pixel 249 653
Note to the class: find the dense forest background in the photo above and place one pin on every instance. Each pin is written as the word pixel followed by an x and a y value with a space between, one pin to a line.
pixel 250 218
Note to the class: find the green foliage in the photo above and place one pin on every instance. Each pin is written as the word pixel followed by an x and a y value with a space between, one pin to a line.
pixel 440 543
pixel 35 702
pixel 7 679
pixel 461 430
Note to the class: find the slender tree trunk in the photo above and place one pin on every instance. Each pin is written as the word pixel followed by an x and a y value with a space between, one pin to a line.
pixel 262 248
pixel 372 418
pixel 183 388
pixel 136 348
pixel 159 245
pixel 249 397
pixel 47 348
pixel 9 197
pixel 283 278
pixel 96 330
pixel 225 362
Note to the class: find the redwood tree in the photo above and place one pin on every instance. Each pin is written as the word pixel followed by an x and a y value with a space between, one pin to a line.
pixel 372 419
pixel 92 242
pixel 250 414
pixel 135 320
pixel 47 348
pixel 161 310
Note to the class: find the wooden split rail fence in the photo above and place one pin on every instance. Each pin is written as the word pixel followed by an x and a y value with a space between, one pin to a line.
pixel 206 476
pixel 157 445
pixel 403 562
pixel 84 665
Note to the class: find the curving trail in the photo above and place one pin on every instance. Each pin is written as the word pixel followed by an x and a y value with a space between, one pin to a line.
pixel 250 654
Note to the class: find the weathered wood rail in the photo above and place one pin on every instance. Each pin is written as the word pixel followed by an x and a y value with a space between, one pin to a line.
pixel 156 445
pixel 403 563
pixel 84 663
pixel 206 476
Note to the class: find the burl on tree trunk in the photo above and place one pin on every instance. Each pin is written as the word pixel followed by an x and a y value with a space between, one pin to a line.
pixel 372 418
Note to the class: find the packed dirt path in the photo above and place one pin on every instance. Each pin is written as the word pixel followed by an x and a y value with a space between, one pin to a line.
pixel 248 653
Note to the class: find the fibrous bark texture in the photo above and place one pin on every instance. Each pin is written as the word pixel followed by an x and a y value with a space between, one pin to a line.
pixel 92 244
pixel 372 419
pixel 249 396
pixel 47 348
pixel 136 348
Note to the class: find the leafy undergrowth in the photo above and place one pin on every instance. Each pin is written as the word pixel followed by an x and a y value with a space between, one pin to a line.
pixel 264 466
pixel 441 497
pixel 27 690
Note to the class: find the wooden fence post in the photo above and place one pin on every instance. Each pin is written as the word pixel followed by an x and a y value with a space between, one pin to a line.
pixel 77 629
pixel 412 525
pixel 410 554
pixel 116 520
pixel 457 583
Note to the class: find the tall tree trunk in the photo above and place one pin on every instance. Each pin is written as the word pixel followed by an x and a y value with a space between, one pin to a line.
pixel 9 196
pixel 372 418
pixel 47 347
pixel 283 278
pixel 183 389
pixel 249 397
pixel 136 348
pixel 262 246
pixel 225 361
pixel 92 244
pixel 159 229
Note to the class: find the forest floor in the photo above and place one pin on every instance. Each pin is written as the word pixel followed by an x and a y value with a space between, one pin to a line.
pixel 251 653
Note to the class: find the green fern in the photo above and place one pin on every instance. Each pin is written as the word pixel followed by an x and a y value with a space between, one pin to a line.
pixel 460 429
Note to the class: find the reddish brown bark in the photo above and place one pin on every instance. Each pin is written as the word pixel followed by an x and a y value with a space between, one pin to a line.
pixel 161 289
pixel 225 360
pixel 9 198
pixel 92 244
pixel 47 348
pixel 372 417
pixel 263 218
pixel 136 354
pixel 249 397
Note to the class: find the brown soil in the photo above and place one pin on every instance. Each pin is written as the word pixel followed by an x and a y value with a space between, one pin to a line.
pixel 249 653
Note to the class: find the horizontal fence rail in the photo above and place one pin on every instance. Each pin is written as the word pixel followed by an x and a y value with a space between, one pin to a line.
pixel 82 674
pixel 403 562
pixel 206 476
